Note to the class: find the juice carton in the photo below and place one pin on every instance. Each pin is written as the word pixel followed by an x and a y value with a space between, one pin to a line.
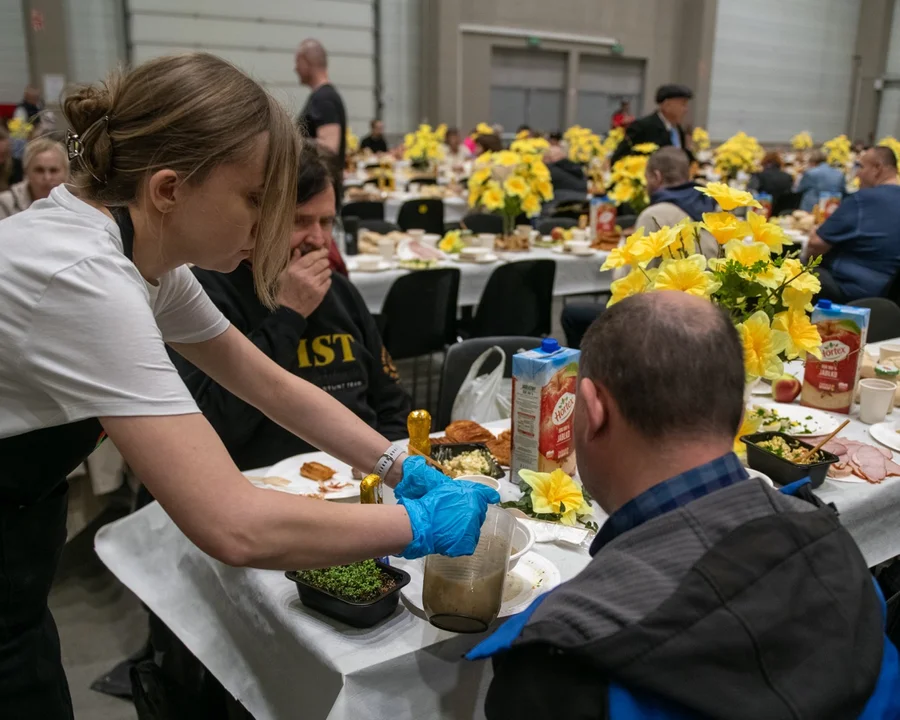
pixel 603 217
pixel 828 203
pixel 766 201
pixel 543 400
pixel 829 383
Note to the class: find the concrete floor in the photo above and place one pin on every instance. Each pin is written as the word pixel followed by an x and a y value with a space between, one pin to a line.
pixel 100 623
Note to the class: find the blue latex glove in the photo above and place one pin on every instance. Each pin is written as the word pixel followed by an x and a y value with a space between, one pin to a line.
pixel 447 520
pixel 419 478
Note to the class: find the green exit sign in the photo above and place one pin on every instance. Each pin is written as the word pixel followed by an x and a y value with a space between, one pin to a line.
pixel 617 49
pixel 534 41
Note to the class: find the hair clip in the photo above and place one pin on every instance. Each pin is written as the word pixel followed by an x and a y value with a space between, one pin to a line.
pixel 75 146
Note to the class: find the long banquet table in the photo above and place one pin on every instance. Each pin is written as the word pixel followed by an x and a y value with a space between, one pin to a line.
pixel 574 276
pixel 282 660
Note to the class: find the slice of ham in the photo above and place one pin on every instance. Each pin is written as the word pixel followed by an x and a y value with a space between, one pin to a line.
pixel 892 468
pixel 840 470
pixel 870 462
pixel 423 252
pixel 835 447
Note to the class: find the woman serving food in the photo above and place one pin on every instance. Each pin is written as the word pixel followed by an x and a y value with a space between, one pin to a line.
pixel 183 160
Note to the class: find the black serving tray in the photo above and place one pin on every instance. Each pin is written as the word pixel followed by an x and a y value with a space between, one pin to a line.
pixel 781 471
pixel 445 453
pixel 361 615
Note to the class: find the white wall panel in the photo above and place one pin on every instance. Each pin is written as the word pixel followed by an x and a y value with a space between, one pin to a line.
pixel 13 52
pixel 95 33
pixel 781 66
pixel 401 30
pixel 261 36
pixel 889 109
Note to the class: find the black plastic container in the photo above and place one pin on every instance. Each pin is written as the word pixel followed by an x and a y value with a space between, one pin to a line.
pixel 361 615
pixel 445 453
pixel 781 471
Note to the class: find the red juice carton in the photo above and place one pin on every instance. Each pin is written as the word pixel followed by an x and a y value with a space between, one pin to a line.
pixel 543 402
pixel 829 383
pixel 602 216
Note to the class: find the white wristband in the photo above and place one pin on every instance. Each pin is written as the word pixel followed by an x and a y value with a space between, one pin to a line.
pixel 386 461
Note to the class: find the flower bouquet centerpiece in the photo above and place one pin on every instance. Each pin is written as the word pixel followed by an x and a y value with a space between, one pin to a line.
pixel 700 138
pixel 739 153
pixel 837 151
pixel 424 148
pixel 511 183
pixel 768 295
pixel 628 181
pixel 612 141
pixel 586 148
pixel 352 143
pixel 802 141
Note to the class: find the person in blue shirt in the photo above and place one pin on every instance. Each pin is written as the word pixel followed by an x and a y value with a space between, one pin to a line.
pixel 709 594
pixel 860 242
pixel 820 178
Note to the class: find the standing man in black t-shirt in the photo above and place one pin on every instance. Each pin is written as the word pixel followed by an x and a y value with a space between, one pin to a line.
pixel 324 116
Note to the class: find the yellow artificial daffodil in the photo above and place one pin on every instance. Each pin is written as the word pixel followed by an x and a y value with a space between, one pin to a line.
pixel 685 240
pixel 801 285
pixel 688 275
pixel 700 138
pixel 729 198
pixel 556 493
pixel 749 254
pixel 762 346
pixel 750 423
pixel 474 197
pixel 802 141
pixel 626 254
pixel 621 193
pixel 451 242
pixel 483 129
pixel 646 148
pixel 724 226
pixel 507 158
pixel 531 205
pixel 769 233
pixel 634 283
pixel 516 185
pixel 632 166
pixel 802 336
pixel 493 198
pixel 544 188
pixel 480 176
pixel 654 245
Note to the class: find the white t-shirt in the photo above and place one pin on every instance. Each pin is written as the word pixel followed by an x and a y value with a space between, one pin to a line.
pixel 82 334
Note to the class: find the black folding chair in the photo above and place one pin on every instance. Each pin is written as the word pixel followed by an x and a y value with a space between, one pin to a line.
pixel 364 210
pixel 626 221
pixel 459 360
pixel 545 226
pixel 884 320
pixel 424 181
pixel 484 223
pixel 786 204
pixel 419 317
pixel 422 214
pixel 379 226
pixel 517 300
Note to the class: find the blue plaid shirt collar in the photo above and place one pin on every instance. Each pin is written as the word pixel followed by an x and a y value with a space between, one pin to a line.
pixel 669 495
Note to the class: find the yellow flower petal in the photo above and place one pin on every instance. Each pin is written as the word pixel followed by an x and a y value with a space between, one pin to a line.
pixel 724 226
pixel 688 275
pixel 802 336
pixel 762 346
pixel 554 493
pixel 634 283
pixel 729 198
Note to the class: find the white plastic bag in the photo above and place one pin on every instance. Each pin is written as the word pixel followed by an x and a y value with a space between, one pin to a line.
pixel 480 397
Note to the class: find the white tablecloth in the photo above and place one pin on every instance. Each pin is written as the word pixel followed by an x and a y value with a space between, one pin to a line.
pixel 284 661
pixel 574 276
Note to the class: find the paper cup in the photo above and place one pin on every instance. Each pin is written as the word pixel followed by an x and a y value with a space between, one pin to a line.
pixel 416 233
pixel 486 240
pixel 523 231
pixel 888 351
pixel 368 262
pixel 386 249
pixel 579 235
pixel 876 398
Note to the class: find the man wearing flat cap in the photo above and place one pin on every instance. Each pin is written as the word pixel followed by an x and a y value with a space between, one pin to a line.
pixel 662 127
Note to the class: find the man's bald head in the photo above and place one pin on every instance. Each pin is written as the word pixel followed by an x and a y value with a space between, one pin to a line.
pixel 672 363
pixel 311 62
pixel 877 166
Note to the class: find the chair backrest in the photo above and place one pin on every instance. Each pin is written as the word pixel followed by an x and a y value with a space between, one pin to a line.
pixel 422 214
pixel 380 226
pixel 546 225
pixel 364 210
pixel 572 210
pixel 626 221
pixel 424 181
pixel 517 300
pixel 419 313
pixel 459 360
pixel 484 223
pixel 787 203
pixel 884 320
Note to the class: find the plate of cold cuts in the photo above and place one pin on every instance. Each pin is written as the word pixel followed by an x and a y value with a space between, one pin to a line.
pixel 860 462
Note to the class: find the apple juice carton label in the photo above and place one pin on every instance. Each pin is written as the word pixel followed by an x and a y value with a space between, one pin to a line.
pixel 829 383
pixel 828 203
pixel 603 216
pixel 543 401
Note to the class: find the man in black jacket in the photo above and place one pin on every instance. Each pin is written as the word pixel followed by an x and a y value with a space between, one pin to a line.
pixel 710 594
pixel 662 127
pixel 322 332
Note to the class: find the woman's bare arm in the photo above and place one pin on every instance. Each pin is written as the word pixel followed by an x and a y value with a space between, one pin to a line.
pixel 184 464
pixel 297 405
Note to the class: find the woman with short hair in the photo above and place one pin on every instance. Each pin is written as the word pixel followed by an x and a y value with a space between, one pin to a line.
pixel 46 166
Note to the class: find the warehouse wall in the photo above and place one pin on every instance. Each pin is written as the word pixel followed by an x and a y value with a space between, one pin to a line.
pixel 13 53
pixel 458 45
pixel 96 38
pixel 781 67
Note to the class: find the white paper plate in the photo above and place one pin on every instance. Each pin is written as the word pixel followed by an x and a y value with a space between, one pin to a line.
pixel 818 422
pixel 381 267
pixel 561 251
pixel 532 576
pixel 885 433
pixel 289 469
pixel 481 259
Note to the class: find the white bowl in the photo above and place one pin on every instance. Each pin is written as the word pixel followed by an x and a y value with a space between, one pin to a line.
pixel 369 262
pixel 522 540
pixel 431 239
pixel 481 480
pixel 473 253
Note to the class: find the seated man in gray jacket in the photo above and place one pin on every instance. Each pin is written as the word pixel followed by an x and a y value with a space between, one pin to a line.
pixel 710 594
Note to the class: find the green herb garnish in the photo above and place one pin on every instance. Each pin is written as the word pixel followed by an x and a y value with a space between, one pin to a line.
pixel 357 582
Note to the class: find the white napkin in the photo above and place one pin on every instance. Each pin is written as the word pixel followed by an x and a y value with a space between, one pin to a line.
pixel 548 532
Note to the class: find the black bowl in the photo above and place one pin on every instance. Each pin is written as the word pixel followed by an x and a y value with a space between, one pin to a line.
pixel 445 453
pixel 780 470
pixel 361 615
